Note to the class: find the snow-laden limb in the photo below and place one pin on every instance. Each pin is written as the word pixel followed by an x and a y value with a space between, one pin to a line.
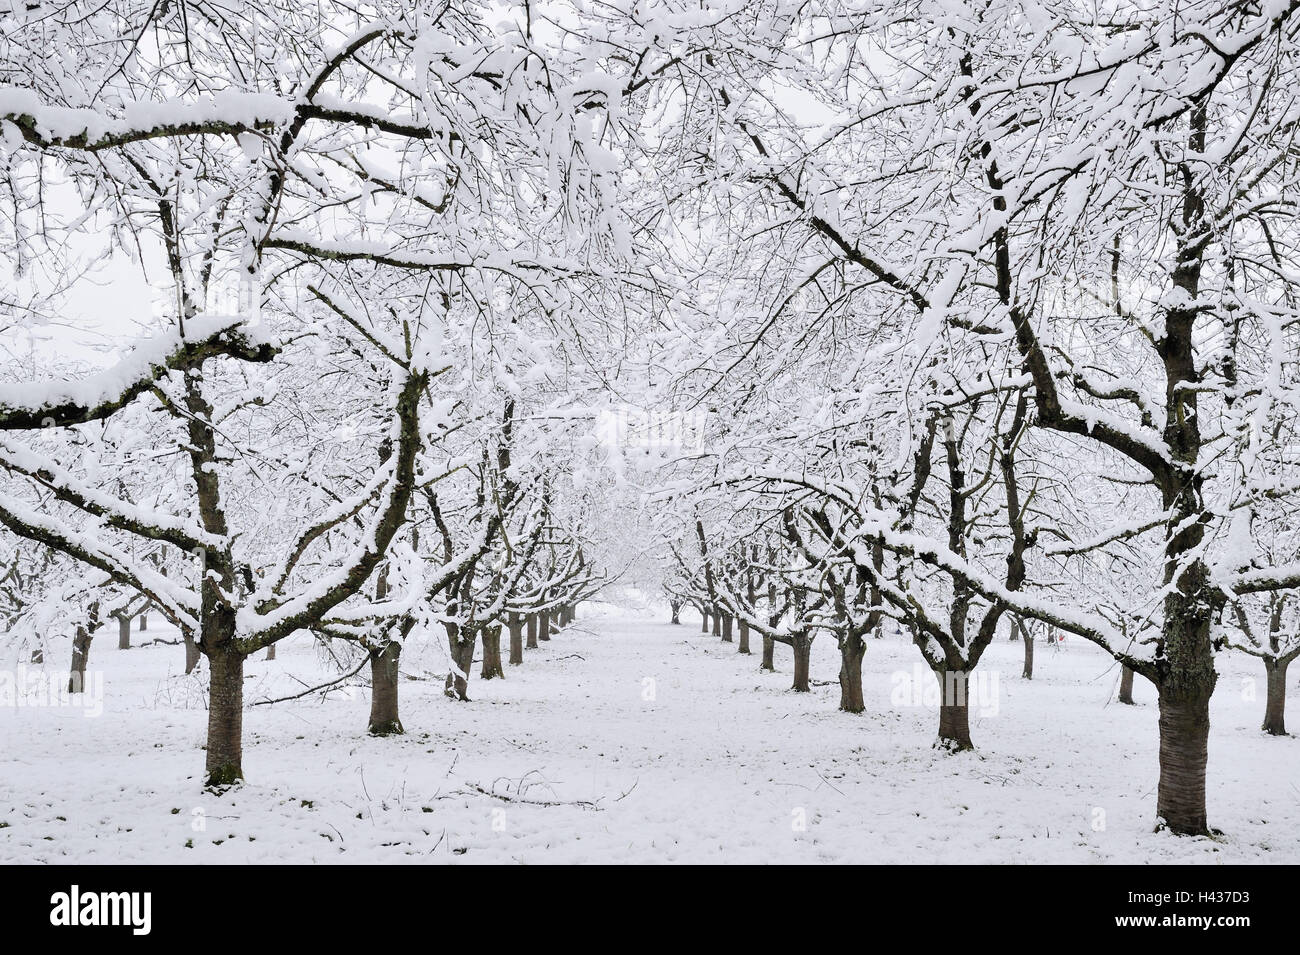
pixel 877 527
pixel 60 404
pixel 382 253
pixel 1282 577
pixel 1118 532
pixel 258 629
pixel 27 522
pixel 90 130
pixel 336 514
pixel 114 512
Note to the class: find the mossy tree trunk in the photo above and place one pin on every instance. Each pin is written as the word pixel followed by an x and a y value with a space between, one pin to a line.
pixel 490 634
pixel 225 713
pixel 852 650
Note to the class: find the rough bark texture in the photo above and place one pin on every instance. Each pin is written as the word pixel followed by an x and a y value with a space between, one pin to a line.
pixel 676 608
pixel 769 655
pixel 802 647
pixel 726 628
pixel 1186 683
pixel 852 650
pixel 532 631
pixel 1275 705
pixel 225 715
pixel 124 633
pixel 516 625
pixel 80 654
pixel 1184 747
pixel 384 672
pixel 954 711
pixel 491 637
pixel 544 625
pixel 717 623
pixel 1126 686
pixel 144 622
pixel 743 644
pixel 192 653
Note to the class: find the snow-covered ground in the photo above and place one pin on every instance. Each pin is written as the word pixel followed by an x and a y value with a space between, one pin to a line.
pixel 626 739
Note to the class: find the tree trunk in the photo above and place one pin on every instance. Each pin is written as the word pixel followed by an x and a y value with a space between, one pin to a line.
pixel 225 715
pixel 676 608
pixel 270 652
pixel 491 637
pixel 802 647
pixel 954 711
pixel 124 633
pixel 516 639
pixel 1274 717
pixel 704 621
pixel 1027 639
pixel 1184 749
pixel 80 654
pixel 769 655
pixel 717 623
pixel 544 625
pixel 192 653
pixel 852 650
pixel 144 622
pixel 460 642
pixel 743 627
pixel 726 628
pixel 1186 684
pixel 1126 686
pixel 532 631
pixel 384 672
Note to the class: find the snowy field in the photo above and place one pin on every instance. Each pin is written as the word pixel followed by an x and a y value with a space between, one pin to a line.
pixel 578 757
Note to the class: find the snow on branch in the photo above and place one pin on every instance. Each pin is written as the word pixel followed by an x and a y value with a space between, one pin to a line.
pixel 60 404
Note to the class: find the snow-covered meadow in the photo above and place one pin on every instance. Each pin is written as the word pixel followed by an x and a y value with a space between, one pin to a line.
pixel 627 739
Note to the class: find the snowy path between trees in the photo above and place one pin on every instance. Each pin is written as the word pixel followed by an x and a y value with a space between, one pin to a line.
pixel 627 739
